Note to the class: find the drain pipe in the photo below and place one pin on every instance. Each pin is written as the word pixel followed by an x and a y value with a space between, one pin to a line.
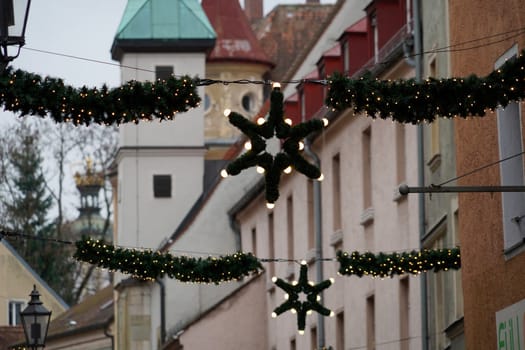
pixel 421 169
pixel 318 239
pixel 162 311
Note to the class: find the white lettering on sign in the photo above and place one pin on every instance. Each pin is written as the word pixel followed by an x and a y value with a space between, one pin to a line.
pixel 510 323
pixel 235 45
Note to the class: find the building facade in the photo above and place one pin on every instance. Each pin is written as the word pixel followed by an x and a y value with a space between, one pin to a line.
pixel 490 225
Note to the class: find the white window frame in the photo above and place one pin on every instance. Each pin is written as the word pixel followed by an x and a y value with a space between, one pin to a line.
pixel 11 311
pixel 510 142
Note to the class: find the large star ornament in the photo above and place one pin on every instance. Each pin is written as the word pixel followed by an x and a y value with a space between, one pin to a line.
pixel 288 157
pixel 302 297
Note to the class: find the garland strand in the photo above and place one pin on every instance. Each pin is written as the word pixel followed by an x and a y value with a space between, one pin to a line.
pixel 388 265
pixel 406 101
pixel 30 94
pixel 149 265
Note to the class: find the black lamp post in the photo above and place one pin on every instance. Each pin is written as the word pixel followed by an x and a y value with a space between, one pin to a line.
pixel 35 319
pixel 13 20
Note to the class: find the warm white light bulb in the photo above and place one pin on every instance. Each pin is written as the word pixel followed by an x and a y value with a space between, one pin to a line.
pixel 325 122
pixel 270 205
pixel 248 145
pixel 288 170
pixel 259 169
pixel 276 85
pixel 309 312
pixel 260 121
pixel 224 173
pixel 332 314
pixel 318 298
pixel 274 315
pixel 274 279
pixel 294 283
pixel 294 311
pixel 301 145
pixel 303 262
pixel 320 178
pixel 301 332
pixel 288 121
pixel 227 112
pixel 286 296
pixel 332 280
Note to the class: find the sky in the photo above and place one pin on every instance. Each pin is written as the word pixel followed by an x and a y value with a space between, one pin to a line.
pixel 59 29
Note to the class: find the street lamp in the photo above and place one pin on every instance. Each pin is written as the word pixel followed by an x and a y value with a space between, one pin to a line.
pixel 13 20
pixel 35 319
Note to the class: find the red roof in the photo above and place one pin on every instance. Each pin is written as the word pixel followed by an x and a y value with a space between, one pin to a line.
pixel 333 52
pixel 235 38
pixel 358 27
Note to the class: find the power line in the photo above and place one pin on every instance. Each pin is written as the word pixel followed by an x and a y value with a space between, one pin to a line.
pixel 207 81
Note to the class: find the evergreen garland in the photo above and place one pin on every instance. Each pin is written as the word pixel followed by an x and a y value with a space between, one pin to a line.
pixel 406 101
pixel 30 94
pixel 149 265
pixel 388 265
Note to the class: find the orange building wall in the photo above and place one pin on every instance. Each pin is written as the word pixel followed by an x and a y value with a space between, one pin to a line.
pixel 489 282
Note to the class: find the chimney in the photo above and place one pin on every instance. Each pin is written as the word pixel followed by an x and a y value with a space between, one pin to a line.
pixel 253 9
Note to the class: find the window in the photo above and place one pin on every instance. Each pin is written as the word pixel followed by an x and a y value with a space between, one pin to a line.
pixel 248 102
pixel 313 338
pixel 404 312
pixel 400 153
pixel 373 22
pixel 346 58
pixel 254 241
pixel 271 246
pixel 290 226
pixel 510 144
pixel 162 186
pixel 163 72
pixel 367 167
pixel 292 344
pixel 311 223
pixel 336 191
pixel 15 307
pixel 340 330
pixel 370 323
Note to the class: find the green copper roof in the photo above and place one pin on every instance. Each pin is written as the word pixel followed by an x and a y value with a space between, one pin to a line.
pixel 164 19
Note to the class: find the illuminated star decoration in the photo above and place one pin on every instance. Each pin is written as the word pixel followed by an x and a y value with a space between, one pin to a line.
pixel 289 156
pixel 294 298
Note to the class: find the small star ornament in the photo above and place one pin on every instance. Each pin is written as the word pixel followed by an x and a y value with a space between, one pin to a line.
pixel 302 297
pixel 288 157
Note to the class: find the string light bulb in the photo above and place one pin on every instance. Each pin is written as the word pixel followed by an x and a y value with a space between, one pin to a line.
pixel 287 170
pixel 301 145
pixel 288 121
pixel 248 145
pixel 224 173
pixel 325 122
pixel 270 205
pixel 321 177
pixel 301 332
pixel 260 121
pixel 227 112
pixel 276 85
pixel 259 169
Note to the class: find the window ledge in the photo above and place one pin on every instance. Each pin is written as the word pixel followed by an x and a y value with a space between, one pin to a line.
pixel 367 217
pixel 398 197
pixel 434 162
pixel 336 238
pixel 515 249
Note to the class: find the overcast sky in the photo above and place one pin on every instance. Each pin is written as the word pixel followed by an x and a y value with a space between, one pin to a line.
pixel 82 29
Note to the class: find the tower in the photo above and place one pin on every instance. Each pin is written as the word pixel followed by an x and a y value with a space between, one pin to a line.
pixel 237 55
pixel 160 166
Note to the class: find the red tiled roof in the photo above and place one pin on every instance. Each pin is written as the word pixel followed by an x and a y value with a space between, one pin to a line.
pixel 10 335
pixel 236 40
pixel 288 30
pixel 359 26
